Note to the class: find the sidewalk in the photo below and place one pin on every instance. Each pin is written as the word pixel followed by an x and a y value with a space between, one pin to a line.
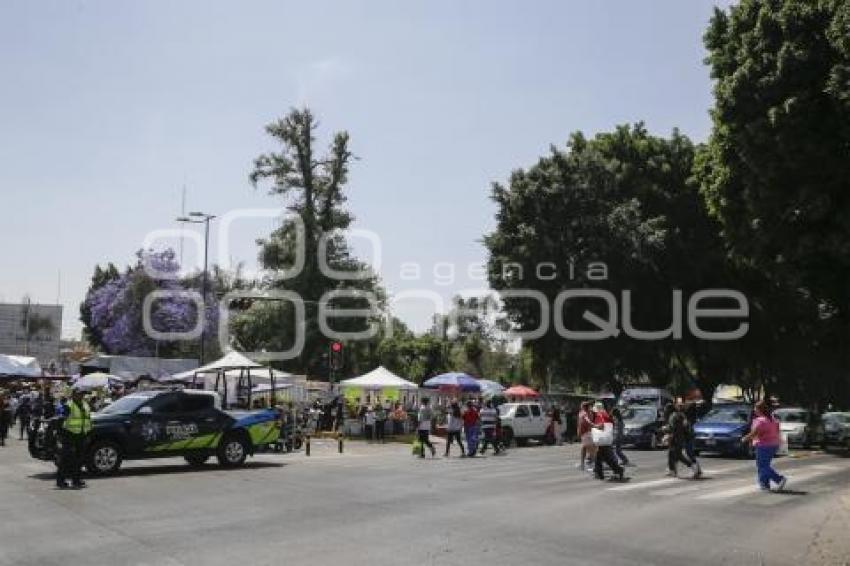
pixel 831 543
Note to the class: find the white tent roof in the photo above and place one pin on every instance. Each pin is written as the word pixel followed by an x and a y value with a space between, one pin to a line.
pixel 21 366
pixel 130 368
pixel 233 360
pixel 379 378
pixel 232 364
pixel 257 374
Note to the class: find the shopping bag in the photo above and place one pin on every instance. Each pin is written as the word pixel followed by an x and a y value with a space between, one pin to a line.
pixel 783 445
pixel 416 450
pixel 603 436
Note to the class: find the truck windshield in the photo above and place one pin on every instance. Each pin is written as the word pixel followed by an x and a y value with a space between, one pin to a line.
pixel 125 405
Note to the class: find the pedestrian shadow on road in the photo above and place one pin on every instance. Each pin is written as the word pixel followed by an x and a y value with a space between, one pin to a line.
pixel 797 492
pixel 163 470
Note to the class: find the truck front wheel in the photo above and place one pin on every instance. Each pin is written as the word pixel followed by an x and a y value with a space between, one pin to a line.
pixel 104 458
pixel 232 451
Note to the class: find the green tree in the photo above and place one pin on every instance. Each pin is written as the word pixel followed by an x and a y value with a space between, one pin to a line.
pixel 312 186
pixel 624 199
pixel 777 169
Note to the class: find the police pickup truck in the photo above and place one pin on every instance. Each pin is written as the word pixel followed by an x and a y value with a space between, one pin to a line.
pixel 157 424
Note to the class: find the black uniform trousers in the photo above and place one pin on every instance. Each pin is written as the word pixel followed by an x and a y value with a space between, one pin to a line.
pixel 71 457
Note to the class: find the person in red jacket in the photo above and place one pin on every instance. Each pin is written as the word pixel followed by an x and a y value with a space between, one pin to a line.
pixel 470 428
pixel 605 453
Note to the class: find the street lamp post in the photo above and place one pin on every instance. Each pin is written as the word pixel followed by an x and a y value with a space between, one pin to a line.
pixel 202 218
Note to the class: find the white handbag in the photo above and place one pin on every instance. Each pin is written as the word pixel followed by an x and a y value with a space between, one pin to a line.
pixel 603 436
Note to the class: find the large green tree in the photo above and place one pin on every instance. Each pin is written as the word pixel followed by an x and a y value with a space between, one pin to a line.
pixel 777 169
pixel 625 199
pixel 312 186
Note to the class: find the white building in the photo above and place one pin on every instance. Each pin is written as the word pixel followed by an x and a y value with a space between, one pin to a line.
pixel 30 329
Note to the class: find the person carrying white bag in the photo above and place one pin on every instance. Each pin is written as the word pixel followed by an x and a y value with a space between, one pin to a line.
pixel 603 438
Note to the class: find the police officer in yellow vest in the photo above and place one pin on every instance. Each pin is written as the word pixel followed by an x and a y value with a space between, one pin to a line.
pixel 76 427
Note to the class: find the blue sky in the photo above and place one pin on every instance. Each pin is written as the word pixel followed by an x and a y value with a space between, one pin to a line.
pixel 109 108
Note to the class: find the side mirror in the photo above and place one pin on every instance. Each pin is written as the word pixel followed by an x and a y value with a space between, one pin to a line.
pixel 146 410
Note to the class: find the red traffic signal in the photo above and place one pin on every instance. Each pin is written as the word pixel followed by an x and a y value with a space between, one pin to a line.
pixel 336 347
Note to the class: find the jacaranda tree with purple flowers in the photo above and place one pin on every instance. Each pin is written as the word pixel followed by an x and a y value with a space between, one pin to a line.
pixel 114 309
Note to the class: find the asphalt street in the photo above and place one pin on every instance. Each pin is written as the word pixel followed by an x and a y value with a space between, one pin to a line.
pixel 376 505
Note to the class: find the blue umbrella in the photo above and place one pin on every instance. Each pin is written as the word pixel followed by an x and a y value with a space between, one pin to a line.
pixel 453 380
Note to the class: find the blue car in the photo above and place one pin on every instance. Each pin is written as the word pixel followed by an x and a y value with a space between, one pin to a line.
pixel 721 429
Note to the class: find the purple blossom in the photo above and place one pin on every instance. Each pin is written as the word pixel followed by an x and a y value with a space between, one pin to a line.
pixel 116 307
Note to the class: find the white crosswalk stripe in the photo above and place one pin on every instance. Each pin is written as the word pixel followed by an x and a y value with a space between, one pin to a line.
pixel 670 481
pixel 813 472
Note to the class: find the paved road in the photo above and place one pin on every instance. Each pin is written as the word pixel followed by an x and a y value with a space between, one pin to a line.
pixel 377 505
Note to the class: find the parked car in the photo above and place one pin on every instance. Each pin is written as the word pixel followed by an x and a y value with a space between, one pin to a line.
pixel 522 421
pixel 802 426
pixel 647 396
pixel 722 429
pixel 836 431
pixel 642 427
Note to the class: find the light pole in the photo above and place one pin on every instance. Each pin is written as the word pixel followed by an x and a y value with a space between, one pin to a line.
pixel 202 218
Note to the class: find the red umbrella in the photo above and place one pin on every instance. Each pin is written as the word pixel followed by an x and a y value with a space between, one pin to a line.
pixel 519 391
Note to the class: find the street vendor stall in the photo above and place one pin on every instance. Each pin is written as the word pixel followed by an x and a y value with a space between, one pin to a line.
pixel 19 366
pixel 234 377
pixel 379 385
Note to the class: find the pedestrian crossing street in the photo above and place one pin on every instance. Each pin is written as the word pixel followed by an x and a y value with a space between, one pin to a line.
pixel 545 471
pixel 552 470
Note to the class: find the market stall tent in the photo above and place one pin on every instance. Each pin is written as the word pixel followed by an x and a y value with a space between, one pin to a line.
pixel 380 381
pixel 234 375
pixel 19 366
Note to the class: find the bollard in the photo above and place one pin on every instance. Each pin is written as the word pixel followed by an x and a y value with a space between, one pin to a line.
pixel 307 446
pixel 340 443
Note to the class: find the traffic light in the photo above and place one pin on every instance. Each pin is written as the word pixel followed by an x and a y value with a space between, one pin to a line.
pixel 336 356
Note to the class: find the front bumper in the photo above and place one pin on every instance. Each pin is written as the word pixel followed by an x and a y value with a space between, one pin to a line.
pixel 796 436
pixel 836 439
pixel 724 444
pixel 637 438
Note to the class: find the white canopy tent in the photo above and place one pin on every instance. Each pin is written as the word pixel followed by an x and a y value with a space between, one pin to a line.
pixel 234 375
pixel 378 384
pixel 379 378
pixel 19 366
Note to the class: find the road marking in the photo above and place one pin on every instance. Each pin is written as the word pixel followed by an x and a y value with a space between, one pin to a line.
pixel 667 481
pixel 817 471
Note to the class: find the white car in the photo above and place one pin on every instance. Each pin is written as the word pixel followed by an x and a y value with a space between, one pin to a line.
pixel 803 427
pixel 522 421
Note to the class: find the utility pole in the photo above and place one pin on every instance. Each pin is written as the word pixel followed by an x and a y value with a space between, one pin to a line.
pixel 202 218
pixel 27 327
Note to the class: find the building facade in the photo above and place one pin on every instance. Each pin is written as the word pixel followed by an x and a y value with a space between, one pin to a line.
pixel 29 329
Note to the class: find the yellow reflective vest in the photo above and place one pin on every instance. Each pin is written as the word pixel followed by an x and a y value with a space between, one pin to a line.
pixel 78 420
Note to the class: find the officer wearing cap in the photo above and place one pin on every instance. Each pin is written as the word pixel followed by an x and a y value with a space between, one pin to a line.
pixel 76 426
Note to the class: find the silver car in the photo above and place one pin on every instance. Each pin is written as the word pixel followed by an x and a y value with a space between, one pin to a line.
pixel 836 430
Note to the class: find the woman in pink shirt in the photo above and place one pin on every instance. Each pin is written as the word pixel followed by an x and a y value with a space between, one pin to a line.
pixel 766 438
